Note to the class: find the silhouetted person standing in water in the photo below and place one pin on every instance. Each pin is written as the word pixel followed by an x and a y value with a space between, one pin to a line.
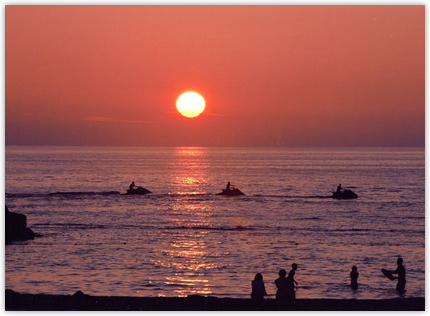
pixel 258 291
pixel 291 284
pixel 354 277
pixel 401 272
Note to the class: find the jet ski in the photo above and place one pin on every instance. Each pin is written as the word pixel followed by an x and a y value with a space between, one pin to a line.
pixel 230 192
pixel 139 191
pixel 344 195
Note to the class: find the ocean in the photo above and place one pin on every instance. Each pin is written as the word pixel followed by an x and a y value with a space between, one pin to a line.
pixel 183 239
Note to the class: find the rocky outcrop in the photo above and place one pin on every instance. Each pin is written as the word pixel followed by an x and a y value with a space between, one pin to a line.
pixel 16 227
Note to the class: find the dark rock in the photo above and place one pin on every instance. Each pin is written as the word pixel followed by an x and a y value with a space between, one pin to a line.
pixel 79 294
pixel 16 227
pixel 78 301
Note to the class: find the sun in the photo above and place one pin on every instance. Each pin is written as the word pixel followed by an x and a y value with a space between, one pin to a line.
pixel 190 104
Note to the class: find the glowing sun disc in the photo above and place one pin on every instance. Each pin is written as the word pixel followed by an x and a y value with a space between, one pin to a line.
pixel 190 104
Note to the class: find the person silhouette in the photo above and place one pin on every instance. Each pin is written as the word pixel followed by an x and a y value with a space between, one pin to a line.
pixel 228 186
pixel 401 272
pixel 132 186
pixel 258 291
pixel 291 283
pixel 339 188
pixel 354 277
pixel 281 284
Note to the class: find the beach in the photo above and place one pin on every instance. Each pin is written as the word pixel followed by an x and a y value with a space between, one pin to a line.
pixel 79 301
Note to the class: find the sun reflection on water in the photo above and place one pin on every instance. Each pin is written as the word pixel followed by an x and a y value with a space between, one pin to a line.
pixel 187 286
pixel 190 170
pixel 187 250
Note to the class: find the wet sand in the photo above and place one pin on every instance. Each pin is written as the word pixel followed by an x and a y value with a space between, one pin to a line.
pixel 79 301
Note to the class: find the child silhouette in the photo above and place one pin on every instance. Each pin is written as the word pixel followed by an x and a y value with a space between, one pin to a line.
pixel 354 277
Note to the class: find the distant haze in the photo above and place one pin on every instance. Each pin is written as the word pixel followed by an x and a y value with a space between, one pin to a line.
pixel 270 75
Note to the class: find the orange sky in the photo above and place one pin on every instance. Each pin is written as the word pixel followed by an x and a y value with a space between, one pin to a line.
pixel 291 75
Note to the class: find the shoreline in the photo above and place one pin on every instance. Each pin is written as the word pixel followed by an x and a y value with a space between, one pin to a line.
pixel 79 301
